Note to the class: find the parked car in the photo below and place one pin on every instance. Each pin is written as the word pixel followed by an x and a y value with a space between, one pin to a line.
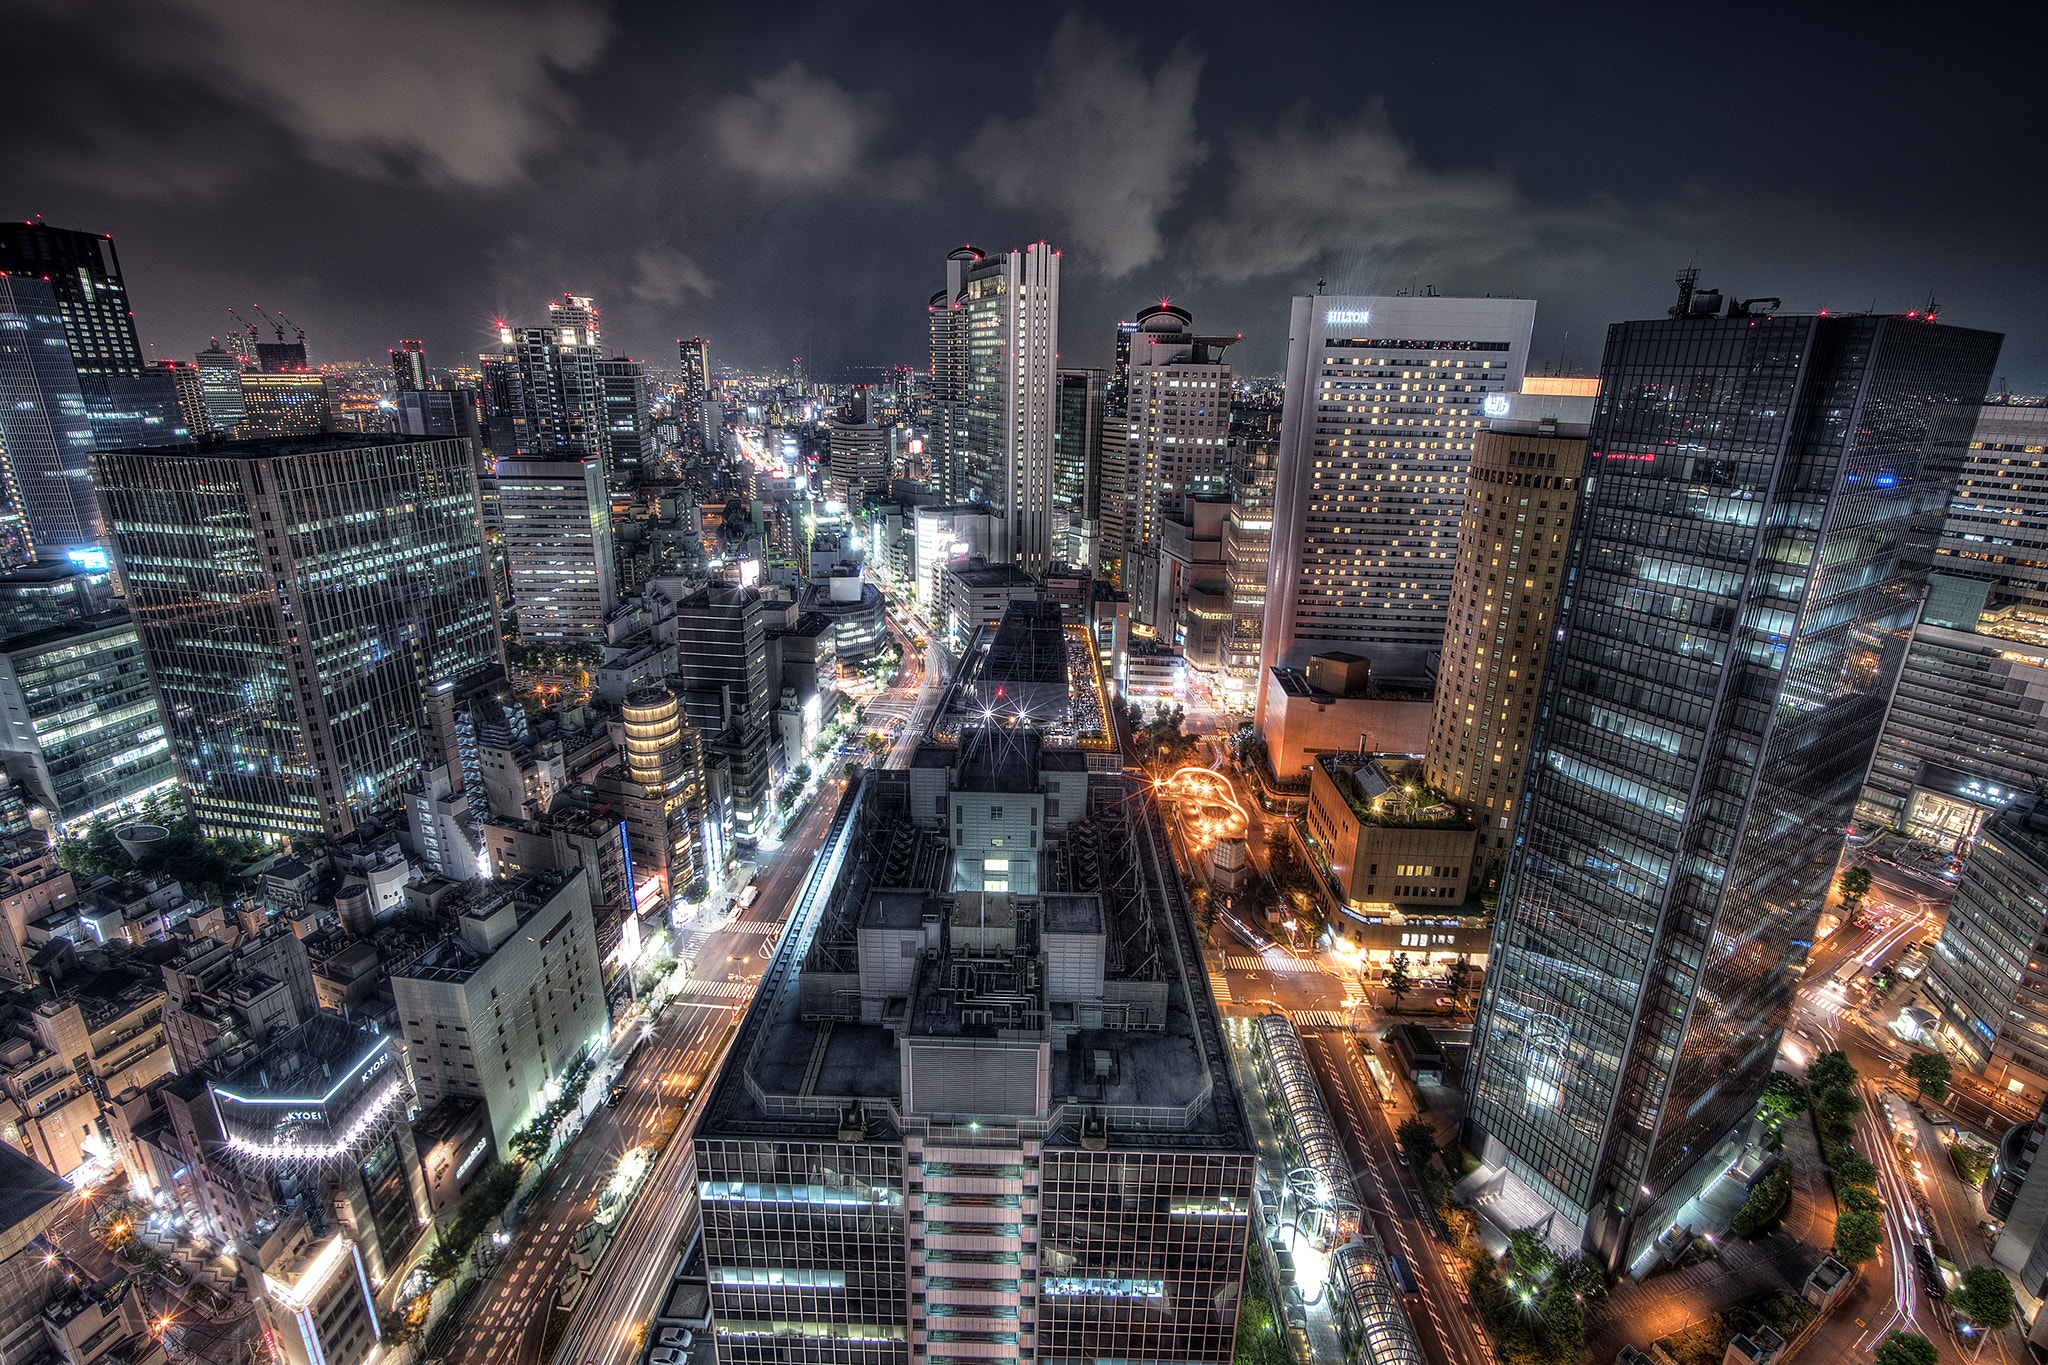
pixel 674 1336
pixel 664 1355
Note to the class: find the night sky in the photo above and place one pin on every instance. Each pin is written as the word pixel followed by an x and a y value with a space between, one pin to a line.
pixel 787 179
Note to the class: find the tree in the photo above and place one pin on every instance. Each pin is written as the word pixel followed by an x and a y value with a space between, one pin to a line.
pixel 1856 1237
pixel 1459 974
pixel 1933 1071
pixel 1417 1139
pixel 1399 983
pixel 1563 1320
pixel 1833 1103
pixel 1784 1098
pixel 1531 1253
pixel 1831 1070
pixel 1855 886
pixel 1851 1169
pixel 874 742
pixel 1906 1348
pixel 1987 1297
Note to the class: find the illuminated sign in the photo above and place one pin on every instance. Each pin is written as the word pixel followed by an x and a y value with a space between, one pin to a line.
pixel 92 559
pixel 1496 405
pixel 1357 316
pixel 471 1160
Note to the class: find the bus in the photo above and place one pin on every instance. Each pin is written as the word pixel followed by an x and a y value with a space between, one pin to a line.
pixel 1404 1274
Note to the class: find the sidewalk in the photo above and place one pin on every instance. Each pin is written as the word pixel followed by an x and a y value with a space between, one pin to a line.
pixel 1639 1313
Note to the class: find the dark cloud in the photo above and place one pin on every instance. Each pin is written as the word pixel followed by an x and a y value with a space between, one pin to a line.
pixel 1107 148
pixel 786 180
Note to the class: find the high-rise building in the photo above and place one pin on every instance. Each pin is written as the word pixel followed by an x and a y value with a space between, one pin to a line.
pixel 665 761
pixel 84 275
pixel 315 1303
pixel 220 389
pixel 728 694
pixel 995 356
pixel 295 601
pixel 1077 443
pixel 1751 555
pixel 1120 374
pixel 148 410
pixel 1966 734
pixel 857 451
pixel 547 392
pixel 409 366
pixel 46 436
pixel 558 548
pixel 1983 976
pixel 82 732
pixel 693 397
pixel 1113 527
pixel 284 406
pixel 1383 404
pixel 1178 413
pixel 574 316
pixel 1247 552
pixel 978 1109
pixel 1521 496
pixel 188 384
pixel 628 426
pixel 1994 531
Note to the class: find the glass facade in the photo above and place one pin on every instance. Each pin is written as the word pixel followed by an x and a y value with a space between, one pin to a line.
pixel 1986 975
pixel 85 275
pixel 1077 443
pixel 81 720
pixel 45 434
pixel 294 601
pixel 1749 559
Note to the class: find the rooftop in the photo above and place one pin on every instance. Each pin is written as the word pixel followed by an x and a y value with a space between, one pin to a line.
pixel 69 632
pixel 270 447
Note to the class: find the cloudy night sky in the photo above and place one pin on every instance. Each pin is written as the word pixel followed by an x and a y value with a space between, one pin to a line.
pixel 787 179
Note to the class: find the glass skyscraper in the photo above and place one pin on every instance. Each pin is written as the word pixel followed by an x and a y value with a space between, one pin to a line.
pixel 45 433
pixel 1749 557
pixel 295 600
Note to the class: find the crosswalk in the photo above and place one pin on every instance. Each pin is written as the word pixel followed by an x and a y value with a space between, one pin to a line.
pixel 1294 966
pixel 1221 986
pixel 754 926
pixel 1318 1019
pixel 720 990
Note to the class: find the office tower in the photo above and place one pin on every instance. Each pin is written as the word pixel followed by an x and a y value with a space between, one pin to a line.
pixel 295 601
pixel 284 406
pixel 1120 375
pixel 82 732
pixel 148 410
pixel 628 427
pixel 1383 403
pixel 220 389
pixel 1077 445
pixel 1247 551
pixel 1967 731
pixel 1178 413
pixel 36 597
pixel 546 401
pixel 190 388
pixel 983 1030
pixel 409 366
pixel 518 984
pixel 692 397
pixel 1114 530
pixel 856 453
pixel 1983 976
pixel 315 1304
pixel 45 434
pixel 1994 531
pixel 995 353
pixel 558 548
pixel 1750 557
pixel 574 316
pixel 728 694
pixel 1521 497
pixel 665 761
pixel 84 275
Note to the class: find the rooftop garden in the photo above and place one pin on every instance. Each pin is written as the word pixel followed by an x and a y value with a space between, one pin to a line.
pixel 1408 803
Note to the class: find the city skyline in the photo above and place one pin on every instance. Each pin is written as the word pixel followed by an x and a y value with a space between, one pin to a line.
pixel 671 168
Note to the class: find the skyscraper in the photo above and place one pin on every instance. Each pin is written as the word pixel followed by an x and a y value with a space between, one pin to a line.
pixel 995 355
pixel 84 275
pixel 574 316
pixel 1994 531
pixel 1752 550
pixel 557 518
pixel 1120 375
pixel 1383 403
pixel 281 406
pixel 409 366
pixel 1077 445
pixel 728 695
pixel 693 398
pixel 1247 552
pixel 666 763
pixel 1521 495
pixel 220 389
pixel 1982 975
pixel 546 400
pixel 295 601
pixel 628 426
pixel 1178 412
pixel 45 433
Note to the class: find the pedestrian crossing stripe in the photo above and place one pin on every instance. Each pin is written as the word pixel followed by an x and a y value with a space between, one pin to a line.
pixel 1221 987
pixel 754 926
pixel 720 990
pixel 1275 964
pixel 1318 1019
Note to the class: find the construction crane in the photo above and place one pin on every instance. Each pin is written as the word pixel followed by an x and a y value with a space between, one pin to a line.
pixel 293 325
pixel 255 334
pixel 275 325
